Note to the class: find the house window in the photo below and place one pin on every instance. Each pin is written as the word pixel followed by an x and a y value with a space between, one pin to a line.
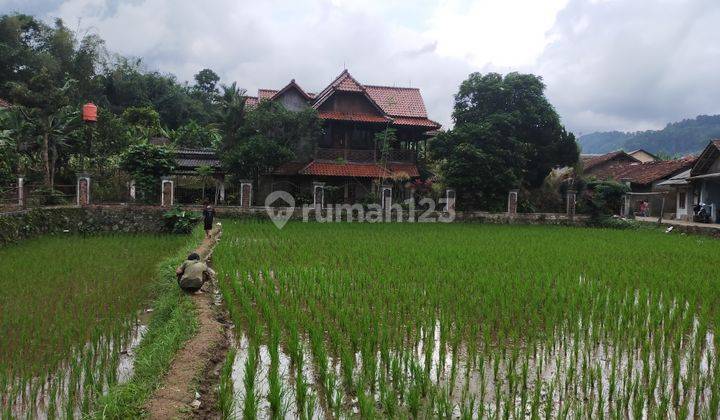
pixel 681 200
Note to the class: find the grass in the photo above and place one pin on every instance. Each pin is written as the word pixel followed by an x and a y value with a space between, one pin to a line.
pixel 406 320
pixel 174 321
pixel 67 308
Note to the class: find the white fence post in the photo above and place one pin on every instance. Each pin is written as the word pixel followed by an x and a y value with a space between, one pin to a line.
pixel 167 198
pixel 83 189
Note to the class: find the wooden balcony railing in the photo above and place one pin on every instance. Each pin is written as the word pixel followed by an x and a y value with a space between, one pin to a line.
pixel 364 155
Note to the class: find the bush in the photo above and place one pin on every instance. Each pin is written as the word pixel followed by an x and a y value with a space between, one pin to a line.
pixel 50 197
pixel 603 198
pixel 614 223
pixel 180 221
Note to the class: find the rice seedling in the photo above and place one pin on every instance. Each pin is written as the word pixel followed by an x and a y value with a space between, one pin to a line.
pixel 461 320
pixel 69 311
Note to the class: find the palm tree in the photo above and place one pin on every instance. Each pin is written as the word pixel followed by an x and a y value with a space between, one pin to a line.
pixel 232 109
pixel 15 137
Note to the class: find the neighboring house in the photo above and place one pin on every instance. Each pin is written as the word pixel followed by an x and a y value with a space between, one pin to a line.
pixel 701 184
pixel 643 155
pixel 596 163
pixel 347 158
pixel 642 177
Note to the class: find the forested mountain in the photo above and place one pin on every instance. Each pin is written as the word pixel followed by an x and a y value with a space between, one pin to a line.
pixel 679 138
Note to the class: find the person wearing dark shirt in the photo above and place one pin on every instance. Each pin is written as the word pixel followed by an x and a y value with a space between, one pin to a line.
pixel 208 215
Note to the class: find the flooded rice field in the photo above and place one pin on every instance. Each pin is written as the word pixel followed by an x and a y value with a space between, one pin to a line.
pixel 468 321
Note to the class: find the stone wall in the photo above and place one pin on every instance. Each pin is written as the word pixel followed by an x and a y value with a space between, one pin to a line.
pixel 20 225
pixel 480 217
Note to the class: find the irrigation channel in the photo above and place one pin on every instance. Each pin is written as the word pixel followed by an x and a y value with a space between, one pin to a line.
pixel 344 333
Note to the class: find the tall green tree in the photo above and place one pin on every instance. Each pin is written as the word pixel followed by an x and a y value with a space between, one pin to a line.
pixel 147 163
pixel 506 135
pixel 269 136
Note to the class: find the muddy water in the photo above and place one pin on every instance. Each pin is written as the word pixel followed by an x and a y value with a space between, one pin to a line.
pixel 262 386
pixel 73 385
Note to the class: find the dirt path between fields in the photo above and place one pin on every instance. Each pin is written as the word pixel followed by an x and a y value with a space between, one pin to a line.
pixel 189 388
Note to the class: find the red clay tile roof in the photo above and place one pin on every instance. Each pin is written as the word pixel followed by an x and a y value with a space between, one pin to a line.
pixel 266 93
pixel 398 101
pixel 4 103
pixel 645 173
pixel 292 85
pixel 359 170
pixel 406 168
pixel 424 122
pixel 348 116
pixel 405 105
pixel 251 101
pixel 592 161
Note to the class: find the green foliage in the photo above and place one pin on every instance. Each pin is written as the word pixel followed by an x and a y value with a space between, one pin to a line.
pixel 142 116
pixel 147 163
pixel 268 136
pixel 194 136
pixel 506 135
pixel 173 322
pixel 676 139
pixel 385 139
pixel 206 81
pixel 603 198
pixel 180 221
pixel 481 161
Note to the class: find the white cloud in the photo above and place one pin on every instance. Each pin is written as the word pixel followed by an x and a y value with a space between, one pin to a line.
pixel 633 65
pixel 608 64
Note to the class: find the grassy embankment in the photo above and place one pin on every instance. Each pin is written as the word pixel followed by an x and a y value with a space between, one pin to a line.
pixel 174 322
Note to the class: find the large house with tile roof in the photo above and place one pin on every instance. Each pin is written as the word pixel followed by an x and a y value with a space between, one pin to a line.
pixel 347 158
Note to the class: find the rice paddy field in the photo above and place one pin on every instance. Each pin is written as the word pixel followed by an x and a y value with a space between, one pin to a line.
pixel 468 321
pixel 69 315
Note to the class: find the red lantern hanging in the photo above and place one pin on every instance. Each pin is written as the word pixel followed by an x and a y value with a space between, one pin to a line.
pixel 89 112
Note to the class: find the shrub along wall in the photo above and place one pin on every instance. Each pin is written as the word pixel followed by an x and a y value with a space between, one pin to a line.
pixel 61 220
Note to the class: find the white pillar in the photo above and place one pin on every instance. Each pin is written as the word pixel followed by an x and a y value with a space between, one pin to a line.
pixel 386 197
pixel 318 195
pixel 245 193
pixel 450 200
pixel 512 202
pixel 82 191
pixel 222 191
pixel 570 203
pixel 21 191
pixel 167 198
pixel 132 189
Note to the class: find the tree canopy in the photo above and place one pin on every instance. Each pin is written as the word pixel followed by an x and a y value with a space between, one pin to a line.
pixel 506 135
pixel 268 136
pixel 48 71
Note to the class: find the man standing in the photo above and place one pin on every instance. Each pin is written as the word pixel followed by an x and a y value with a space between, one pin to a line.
pixel 193 273
pixel 208 215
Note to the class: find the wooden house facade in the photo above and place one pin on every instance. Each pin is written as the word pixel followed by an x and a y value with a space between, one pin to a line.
pixel 348 160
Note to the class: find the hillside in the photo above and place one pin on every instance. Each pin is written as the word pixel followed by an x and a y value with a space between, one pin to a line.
pixel 679 138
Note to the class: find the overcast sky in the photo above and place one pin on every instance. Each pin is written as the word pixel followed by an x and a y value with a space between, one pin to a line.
pixel 608 64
